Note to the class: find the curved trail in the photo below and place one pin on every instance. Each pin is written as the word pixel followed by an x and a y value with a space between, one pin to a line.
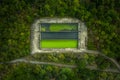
pixel 60 65
pixel 71 66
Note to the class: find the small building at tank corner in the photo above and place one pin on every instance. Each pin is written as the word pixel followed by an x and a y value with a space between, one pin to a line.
pixel 50 29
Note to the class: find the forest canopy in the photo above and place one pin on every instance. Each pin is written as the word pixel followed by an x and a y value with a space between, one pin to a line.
pixel 101 17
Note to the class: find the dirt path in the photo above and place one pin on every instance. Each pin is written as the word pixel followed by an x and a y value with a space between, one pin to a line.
pixel 70 66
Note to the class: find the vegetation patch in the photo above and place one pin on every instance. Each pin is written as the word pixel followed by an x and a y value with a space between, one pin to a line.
pixel 102 18
pixel 63 27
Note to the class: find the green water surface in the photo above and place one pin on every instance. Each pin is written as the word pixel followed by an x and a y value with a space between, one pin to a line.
pixel 59 43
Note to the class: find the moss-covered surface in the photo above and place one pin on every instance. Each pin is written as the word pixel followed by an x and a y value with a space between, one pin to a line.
pixel 59 27
pixel 62 27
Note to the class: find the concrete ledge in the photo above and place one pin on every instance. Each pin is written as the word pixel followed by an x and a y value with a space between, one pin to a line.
pixel 36 35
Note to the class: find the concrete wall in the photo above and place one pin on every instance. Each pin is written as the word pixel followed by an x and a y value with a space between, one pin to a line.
pixel 36 35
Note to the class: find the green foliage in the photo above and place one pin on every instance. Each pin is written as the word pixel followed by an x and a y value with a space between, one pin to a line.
pixel 41 72
pixel 82 63
pixel 67 58
pixel 24 71
pixel 101 17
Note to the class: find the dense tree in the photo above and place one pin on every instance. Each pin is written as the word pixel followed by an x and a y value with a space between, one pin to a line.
pixel 101 17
